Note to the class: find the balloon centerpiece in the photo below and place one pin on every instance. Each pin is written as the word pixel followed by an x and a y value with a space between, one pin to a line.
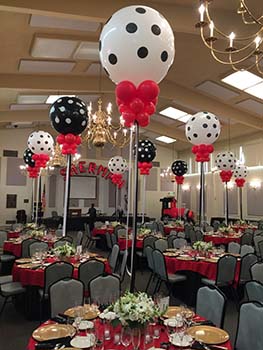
pixel 179 169
pixel 136 51
pixel 117 166
pixel 240 174
pixel 226 163
pixel 31 168
pixel 41 144
pixel 146 154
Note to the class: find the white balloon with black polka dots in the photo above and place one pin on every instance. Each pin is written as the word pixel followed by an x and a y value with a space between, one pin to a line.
pixel 202 128
pixel 137 44
pixel 117 165
pixel 40 142
pixel 226 161
pixel 240 171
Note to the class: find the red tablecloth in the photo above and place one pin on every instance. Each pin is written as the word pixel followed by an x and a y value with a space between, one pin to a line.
pixel 242 228
pixel 168 229
pixel 216 240
pixel 102 231
pixel 30 277
pixel 122 243
pixel 13 234
pixel 110 344
pixel 15 248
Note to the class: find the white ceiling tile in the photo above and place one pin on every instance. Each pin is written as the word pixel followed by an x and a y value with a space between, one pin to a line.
pixel 30 99
pixel 216 90
pixel 53 48
pixel 19 107
pixel 95 69
pixel 63 23
pixel 37 66
pixel 87 50
pixel 163 120
pixel 252 106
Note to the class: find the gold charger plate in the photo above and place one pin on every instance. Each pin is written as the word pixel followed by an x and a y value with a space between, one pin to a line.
pixel 170 254
pixel 53 331
pixel 186 258
pixel 89 314
pixel 29 266
pixel 23 260
pixel 208 334
pixel 172 311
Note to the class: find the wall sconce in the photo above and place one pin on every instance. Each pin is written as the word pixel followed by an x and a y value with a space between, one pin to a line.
pixel 255 184
pixel 230 185
pixel 186 187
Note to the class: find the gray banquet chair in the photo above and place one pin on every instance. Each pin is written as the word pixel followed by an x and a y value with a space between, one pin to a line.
pixel 79 239
pixel 149 258
pixel 64 294
pixel 161 244
pixel 256 271
pixel 192 236
pixel 108 240
pixel 25 247
pixel 122 271
pixel 4 258
pixel 104 289
pixel 254 291
pixel 246 262
pixel 170 240
pixel 233 248
pixel 226 268
pixel 90 238
pixel 249 332
pixel 179 243
pixel 247 238
pixel 257 240
pixel 199 235
pixel 160 272
pixel 89 270
pixel 211 304
pixel 245 249
pixel 113 257
pixel 59 232
pixel 10 290
pixel 37 246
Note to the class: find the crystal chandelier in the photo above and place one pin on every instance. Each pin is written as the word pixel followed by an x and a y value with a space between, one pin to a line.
pixel 167 175
pixel 239 52
pixel 57 160
pixel 101 130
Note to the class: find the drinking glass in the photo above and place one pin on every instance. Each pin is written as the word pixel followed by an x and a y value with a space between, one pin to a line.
pixel 136 338
pixel 126 336
pixel 78 316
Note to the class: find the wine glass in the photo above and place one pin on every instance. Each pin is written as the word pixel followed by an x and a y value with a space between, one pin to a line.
pixel 78 316
pixel 136 338
pixel 126 336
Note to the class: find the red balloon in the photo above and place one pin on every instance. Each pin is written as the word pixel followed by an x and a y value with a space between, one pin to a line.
pixel 78 139
pixel 136 105
pixel 150 108
pixel 148 90
pixel 123 108
pixel 70 138
pixel 125 91
pixel 143 119
pixel 128 117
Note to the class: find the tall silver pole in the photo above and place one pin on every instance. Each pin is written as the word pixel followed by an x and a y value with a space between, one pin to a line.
pixel 202 196
pixel 38 183
pixel 33 198
pixel 66 198
pixel 143 197
pixel 226 203
pixel 240 203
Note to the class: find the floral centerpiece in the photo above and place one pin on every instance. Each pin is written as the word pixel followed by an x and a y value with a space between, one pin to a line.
pixel 225 229
pixel 134 310
pixel 203 246
pixel 179 223
pixel 143 231
pixel 65 251
pixel 37 233
pixel 115 223
pixel 241 222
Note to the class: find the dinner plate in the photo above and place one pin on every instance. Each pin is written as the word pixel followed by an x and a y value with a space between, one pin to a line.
pixel 29 266
pixel 23 260
pixel 85 324
pixel 172 311
pixel 170 254
pixel 89 314
pixel 53 331
pixel 83 342
pixel 185 342
pixel 208 334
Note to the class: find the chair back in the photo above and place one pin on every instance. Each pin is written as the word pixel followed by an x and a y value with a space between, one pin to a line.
pixel 249 332
pixel 150 225
pixel 114 239
pixel 246 262
pixel 246 238
pixel 62 241
pixel 37 246
pixel 121 232
pixel 123 265
pixel 179 243
pixel 181 234
pixel 258 232
pixel 87 230
pixel 113 258
pixel 256 271
pixel 254 291
pixel 192 236
pixel 187 229
pixel 104 289
pixel 161 244
pixel 257 239
pixel 160 227
pixel 199 235
pixel 260 249
pixel 54 213
pixel 89 270
pixel 159 265
pixel 65 294
pixel 59 232
pixel 211 304
pixel 98 224
pixel 149 241
pixel 249 230
pixel 245 249
pixel 233 248
pixel 149 257
pixel 79 238
pixel 25 247
pixel 55 272
pixel 216 225
pixel 3 238
pixel 108 240
pixel 226 268
pixel 170 240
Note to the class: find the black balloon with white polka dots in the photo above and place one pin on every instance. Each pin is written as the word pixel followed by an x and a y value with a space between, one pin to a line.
pixel 28 154
pixel 179 168
pixel 146 151
pixel 69 115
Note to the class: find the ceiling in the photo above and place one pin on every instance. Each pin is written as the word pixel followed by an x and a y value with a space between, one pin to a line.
pixel 51 47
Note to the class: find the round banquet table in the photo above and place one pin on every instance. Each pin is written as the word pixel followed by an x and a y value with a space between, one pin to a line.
pixel 122 243
pixel 35 277
pixel 222 239
pixel 168 229
pixel 242 228
pixel 109 344
pixel 102 230
pixel 13 234
pixel 207 269
pixel 15 248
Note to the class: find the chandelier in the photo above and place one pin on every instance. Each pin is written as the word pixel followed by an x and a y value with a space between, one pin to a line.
pixel 238 52
pixel 101 130
pixel 59 161
pixel 167 175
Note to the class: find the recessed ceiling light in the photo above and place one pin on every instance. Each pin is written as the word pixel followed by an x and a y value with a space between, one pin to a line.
pixel 31 99
pixel 165 139
pixel 242 79
pixel 172 113
pixel 53 98
pixel 256 90
pixel 185 118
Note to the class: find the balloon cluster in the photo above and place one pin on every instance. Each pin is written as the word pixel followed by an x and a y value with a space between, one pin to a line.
pixel 33 172
pixel 137 104
pixel 40 160
pixel 117 166
pixel 179 169
pixel 202 130
pixel 32 169
pixel 240 174
pixel 69 117
pixel 146 154
pixel 226 162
